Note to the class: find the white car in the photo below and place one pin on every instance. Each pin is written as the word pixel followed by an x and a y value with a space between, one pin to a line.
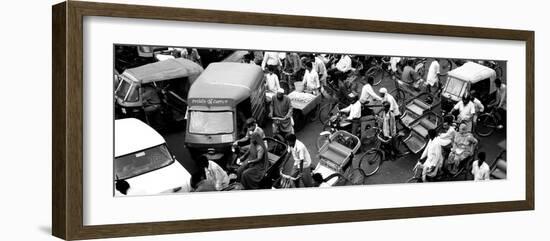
pixel 143 164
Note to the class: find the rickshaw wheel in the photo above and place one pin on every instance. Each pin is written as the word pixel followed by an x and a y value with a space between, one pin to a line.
pixel 370 161
pixel 485 125
pixel 325 113
pixel 399 95
pixel 377 73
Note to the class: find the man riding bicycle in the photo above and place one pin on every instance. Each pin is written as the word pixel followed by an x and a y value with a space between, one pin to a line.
pixel 368 95
pixel 500 101
pixel 354 115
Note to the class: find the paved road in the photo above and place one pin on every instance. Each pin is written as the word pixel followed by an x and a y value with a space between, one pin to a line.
pixel 395 171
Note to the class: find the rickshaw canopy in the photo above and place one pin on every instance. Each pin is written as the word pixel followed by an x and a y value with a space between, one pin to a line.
pixel 164 70
pixel 473 72
pixel 460 79
pixel 224 80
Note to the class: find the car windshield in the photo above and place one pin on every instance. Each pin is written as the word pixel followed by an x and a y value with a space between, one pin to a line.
pixel 123 90
pixel 141 162
pixel 454 87
pixel 202 122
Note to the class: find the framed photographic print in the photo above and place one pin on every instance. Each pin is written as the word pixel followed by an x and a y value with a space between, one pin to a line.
pixel 170 120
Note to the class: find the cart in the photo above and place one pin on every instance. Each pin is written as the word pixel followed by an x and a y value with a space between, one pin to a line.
pixel 303 105
pixel 336 154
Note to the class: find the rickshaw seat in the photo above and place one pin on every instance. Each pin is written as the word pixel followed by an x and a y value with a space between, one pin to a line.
pixel 272 158
pixel 415 142
pixel 408 117
pixel 413 111
pixel 418 107
pixel 423 125
pixel 335 152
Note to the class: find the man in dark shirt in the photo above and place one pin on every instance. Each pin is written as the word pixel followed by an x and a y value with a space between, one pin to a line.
pixel 281 113
pixel 409 75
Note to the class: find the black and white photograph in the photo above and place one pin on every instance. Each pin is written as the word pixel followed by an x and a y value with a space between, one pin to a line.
pixel 193 119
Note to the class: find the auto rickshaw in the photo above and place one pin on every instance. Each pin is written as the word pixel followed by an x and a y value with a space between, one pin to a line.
pixel 464 79
pixel 156 92
pixel 220 101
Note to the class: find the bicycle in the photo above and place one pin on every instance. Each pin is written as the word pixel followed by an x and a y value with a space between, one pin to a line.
pixel 398 93
pixel 381 68
pixel 385 148
pixel 330 108
pixel 488 122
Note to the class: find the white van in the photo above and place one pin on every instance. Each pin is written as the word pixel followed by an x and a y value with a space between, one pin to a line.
pixel 143 164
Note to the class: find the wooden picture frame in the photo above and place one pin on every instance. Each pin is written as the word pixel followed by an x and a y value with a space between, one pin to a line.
pixel 67 123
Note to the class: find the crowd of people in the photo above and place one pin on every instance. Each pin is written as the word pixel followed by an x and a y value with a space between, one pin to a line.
pixel 455 141
pixel 447 146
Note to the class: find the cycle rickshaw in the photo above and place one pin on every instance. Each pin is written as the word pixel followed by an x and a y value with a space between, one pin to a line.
pixel 277 155
pixel 446 172
pixel 336 156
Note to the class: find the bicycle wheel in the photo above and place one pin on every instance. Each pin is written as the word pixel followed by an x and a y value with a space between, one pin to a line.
pixel 325 112
pixel 377 73
pixel 485 125
pixel 370 161
pixel 321 141
pixel 399 96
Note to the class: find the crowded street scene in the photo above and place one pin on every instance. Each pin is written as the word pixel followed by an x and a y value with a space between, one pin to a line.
pixel 202 119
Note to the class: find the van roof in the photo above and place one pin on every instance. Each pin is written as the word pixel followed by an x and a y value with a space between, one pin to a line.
pixel 227 81
pixel 132 135
pixel 164 70
pixel 473 72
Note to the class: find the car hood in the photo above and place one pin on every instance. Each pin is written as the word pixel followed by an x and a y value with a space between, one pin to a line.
pixel 159 181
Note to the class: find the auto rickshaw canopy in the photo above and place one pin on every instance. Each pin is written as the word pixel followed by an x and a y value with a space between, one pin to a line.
pixel 461 78
pixel 473 72
pixel 164 70
pixel 224 80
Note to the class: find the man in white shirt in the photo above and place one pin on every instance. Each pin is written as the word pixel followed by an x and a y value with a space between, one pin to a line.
pixel 480 169
pixel 321 69
pixel 500 101
pixel 432 78
pixel 311 80
pixel 368 94
pixel 272 59
pixel 354 116
pixel 433 156
pixel 448 132
pixel 341 68
pixel 271 83
pixel 394 107
pixel 302 159
pixel 466 111
pixel 344 64
pixel 477 104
